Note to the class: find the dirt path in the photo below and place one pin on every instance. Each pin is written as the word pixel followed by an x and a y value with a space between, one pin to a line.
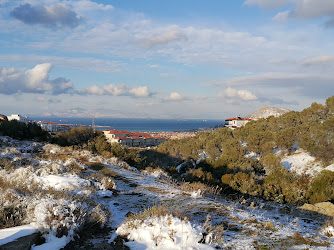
pixel 248 224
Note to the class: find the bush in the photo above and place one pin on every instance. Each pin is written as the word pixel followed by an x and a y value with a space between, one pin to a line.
pixel 76 136
pixel 322 187
pixel 22 131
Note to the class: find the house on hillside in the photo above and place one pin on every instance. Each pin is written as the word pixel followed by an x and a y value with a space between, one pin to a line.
pixel 132 139
pixel 19 118
pixel 50 126
pixel 236 122
pixel 53 127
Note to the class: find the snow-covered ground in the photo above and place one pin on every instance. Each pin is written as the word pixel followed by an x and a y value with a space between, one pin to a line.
pixel 248 224
pixel 302 162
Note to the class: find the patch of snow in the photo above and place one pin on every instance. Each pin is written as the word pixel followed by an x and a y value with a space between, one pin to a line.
pixel 157 174
pixel 302 162
pixel 252 155
pixel 53 243
pixel 196 194
pixel 70 161
pixel 165 232
pixel 10 234
pixel 178 168
pixel 52 149
pixel 104 193
pixel 330 168
pixel 202 156
pixel 64 182
pixel 328 231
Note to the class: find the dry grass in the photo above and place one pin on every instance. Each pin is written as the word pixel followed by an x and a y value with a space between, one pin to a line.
pixel 214 233
pixel 108 172
pixel 97 166
pixel 155 211
pixel 205 189
pixel 7 164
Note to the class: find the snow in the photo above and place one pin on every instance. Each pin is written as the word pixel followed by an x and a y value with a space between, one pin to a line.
pixel 53 243
pixel 10 234
pixel 196 194
pixel 64 182
pixel 165 232
pixel 136 191
pixel 302 162
pixel 330 168
pixel 329 230
pixel 252 155
pixel 104 193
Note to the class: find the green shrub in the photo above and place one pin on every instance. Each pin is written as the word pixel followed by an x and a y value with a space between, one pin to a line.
pixel 322 187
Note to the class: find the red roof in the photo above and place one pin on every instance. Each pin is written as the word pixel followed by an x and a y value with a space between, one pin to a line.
pixel 147 136
pixel 136 133
pixel 49 123
pixel 122 138
pixel 238 119
pixel 120 132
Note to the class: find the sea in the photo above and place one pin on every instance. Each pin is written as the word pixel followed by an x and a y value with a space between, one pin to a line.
pixel 137 124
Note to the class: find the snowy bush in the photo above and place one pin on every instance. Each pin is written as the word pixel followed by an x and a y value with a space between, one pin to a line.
pixel 166 232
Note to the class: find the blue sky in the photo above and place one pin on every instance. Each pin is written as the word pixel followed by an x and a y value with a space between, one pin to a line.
pixel 164 59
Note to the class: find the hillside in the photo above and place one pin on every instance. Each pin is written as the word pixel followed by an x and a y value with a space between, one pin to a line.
pixel 63 193
pixel 265 112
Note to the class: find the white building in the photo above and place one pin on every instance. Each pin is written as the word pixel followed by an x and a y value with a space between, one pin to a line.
pixel 236 122
pixel 53 127
pixel 18 118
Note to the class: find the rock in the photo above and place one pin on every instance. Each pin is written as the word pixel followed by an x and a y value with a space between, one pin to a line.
pixel 23 243
pixel 326 208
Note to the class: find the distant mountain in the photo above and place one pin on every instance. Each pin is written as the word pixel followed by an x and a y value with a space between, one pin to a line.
pixel 268 111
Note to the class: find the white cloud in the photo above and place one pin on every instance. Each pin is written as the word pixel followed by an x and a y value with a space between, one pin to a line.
pixel 244 95
pixel 303 9
pixel 9 71
pixel 114 90
pixel 154 66
pixel 95 90
pixel 282 16
pixel 141 91
pixel 35 80
pixel 175 96
pixel 319 60
pixel 85 6
pixel 162 39
pixel 117 90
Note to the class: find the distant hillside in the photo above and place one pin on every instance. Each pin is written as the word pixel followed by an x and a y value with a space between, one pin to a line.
pixel 268 111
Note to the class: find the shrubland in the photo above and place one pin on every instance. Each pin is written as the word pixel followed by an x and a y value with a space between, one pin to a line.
pixel 222 157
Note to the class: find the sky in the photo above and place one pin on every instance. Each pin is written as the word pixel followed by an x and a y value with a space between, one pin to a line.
pixel 175 59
